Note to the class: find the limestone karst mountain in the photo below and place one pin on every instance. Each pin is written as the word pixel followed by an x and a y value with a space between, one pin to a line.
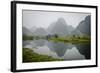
pixel 85 26
pixel 60 27
pixel 26 31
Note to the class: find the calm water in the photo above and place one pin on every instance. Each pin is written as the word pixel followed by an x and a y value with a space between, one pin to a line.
pixel 59 49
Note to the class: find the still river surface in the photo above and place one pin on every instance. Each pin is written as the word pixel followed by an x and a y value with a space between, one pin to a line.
pixel 61 50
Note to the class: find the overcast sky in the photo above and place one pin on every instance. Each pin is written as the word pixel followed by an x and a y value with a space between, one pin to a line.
pixel 45 18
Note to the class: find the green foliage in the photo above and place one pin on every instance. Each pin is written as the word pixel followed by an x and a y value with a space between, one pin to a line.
pixel 28 37
pixel 30 56
pixel 72 39
pixel 66 39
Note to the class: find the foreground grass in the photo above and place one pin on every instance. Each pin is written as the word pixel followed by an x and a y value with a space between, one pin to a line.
pixel 30 56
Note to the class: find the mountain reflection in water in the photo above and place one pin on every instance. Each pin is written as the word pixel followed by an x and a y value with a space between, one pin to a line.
pixel 66 51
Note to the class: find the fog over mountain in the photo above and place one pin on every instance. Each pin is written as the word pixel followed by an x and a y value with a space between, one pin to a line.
pixel 32 29
pixel 85 25
pixel 76 32
pixel 40 32
pixel 26 31
pixel 60 27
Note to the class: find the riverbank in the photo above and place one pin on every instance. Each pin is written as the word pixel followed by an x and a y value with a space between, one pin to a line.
pixel 67 39
pixel 30 56
pixel 71 40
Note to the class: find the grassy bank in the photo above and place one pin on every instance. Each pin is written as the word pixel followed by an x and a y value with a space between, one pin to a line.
pixel 25 37
pixel 71 40
pixel 67 39
pixel 30 56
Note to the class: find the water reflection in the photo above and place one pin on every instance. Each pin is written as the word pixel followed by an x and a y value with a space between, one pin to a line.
pixel 84 50
pixel 59 47
pixel 73 54
pixel 66 51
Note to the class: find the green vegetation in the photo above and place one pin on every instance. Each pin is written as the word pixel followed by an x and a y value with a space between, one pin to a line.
pixel 30 56
pixel 77 39
pixel 72 39
pixel 25 37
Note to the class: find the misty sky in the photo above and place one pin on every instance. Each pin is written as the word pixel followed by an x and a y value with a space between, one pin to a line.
pixel 45 18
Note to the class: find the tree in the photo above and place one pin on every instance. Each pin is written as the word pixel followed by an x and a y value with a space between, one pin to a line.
pixel 56 36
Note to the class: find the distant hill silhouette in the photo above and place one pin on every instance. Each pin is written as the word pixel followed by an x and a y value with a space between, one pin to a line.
pixel 85 25
pixel 40 32
pixel 60 27
pixel 26 31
